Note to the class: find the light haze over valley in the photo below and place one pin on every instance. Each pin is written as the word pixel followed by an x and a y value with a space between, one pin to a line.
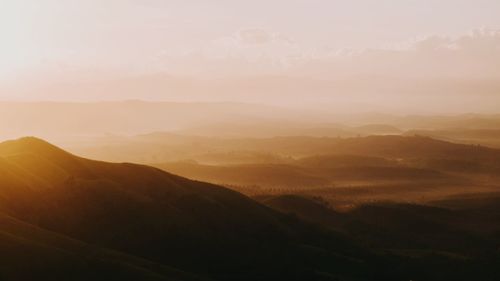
pixel 250 140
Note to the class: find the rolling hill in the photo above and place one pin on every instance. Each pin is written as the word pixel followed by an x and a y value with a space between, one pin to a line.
pixel 161 147
pixel 439 242
pixel 265 175
pixel 32 253
pixel 143 211
pixel 77 219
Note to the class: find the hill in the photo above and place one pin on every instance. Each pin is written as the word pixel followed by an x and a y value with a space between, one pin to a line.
pixel 68 119
pixel 347 171
pixel 194 226
pixel 265 175
pixel 486 137
pixel 63 215
pixel 436 240
pixel 32 253
pixel 162 148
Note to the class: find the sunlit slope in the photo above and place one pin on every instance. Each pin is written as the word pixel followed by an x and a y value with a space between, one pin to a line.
pixel 144 211
pixel 83 190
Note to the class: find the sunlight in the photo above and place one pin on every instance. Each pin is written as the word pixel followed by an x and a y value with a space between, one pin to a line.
pixel 268 140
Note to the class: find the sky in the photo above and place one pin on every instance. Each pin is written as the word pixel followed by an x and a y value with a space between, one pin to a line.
pixel 250 50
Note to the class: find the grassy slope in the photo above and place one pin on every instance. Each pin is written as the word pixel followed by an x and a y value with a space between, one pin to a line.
pixel 144 211
pixel 31 253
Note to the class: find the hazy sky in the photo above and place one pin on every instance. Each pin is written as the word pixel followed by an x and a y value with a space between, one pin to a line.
pixel 48 46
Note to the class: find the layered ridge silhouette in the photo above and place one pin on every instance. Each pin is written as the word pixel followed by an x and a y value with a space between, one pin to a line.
pixel 71 218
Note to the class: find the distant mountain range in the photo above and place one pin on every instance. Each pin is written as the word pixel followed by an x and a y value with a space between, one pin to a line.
pixel 63 121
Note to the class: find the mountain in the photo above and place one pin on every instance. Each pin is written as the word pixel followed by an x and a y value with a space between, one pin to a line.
pixel 306 173
pixel 267 175
pixel 63 120
pixel 332 161
pixel 163 146
pixel 166 219
pixel 377 129
pixel 486 137
pixel 439 242
pixel 366 168
pixel 32 253
pixel 346 170
pixel 312 209
pixel 445 225
pixel 405 147
pixel 71 218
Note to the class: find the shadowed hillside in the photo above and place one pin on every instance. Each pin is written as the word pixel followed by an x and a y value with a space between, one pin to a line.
pixel 105 221
pixel 146 212
pixel 444 243
pixel 31 253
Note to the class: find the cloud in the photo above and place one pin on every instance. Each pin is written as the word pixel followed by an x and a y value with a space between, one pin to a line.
pixel 475 55
pixel 255 36
pixel 259 52
pixel 251 43
pixel 432 74
pixel 245 52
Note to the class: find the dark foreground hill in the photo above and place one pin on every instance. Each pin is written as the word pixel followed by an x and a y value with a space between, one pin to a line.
pixel 32 253
pixel 63 217
pixel 145 212
pixel 453 239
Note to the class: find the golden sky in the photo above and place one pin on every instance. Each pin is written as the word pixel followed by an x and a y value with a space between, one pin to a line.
pixel 174 50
